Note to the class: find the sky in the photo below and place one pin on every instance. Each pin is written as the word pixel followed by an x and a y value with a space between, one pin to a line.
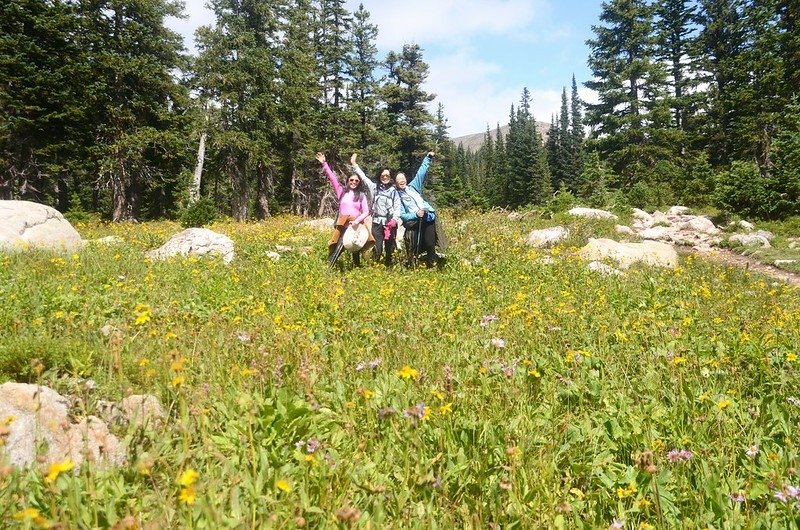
pixel 481 53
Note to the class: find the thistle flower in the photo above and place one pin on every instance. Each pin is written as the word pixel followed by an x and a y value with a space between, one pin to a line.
pixel 737 497
pixel 682 455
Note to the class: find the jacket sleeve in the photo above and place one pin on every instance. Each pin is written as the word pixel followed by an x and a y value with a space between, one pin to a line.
pixel 419 179
pixel 402 212
pixel 337 186
pixel 397 208
pixel 364 207
pixel 364 178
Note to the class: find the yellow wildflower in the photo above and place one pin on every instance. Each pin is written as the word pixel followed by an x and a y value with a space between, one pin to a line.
pixel 791 357
pixel 678 360
pixel 187 495
pixel 366 393
pixel 177 380
pixel 177 364
pixel 446 409
pixel 57 468
pixel 437 394
pixel 283 485
pixel 724 404
pixel 188 477
pixel 406 372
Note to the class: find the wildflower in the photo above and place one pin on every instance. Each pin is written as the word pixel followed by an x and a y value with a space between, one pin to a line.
pixel 366 393
pixel 791 357
pixel 751 451
pixel 188 477
pixel 57 468
pixel 617 524
pixel 487 319
pixel 793 401
pixel 737 497
pixel 676 456
pixel 724 404
pixel 374 363
pixel 446 409
pixel 312 444
pixel 177 380
pixel 187 495
pixel 645 526
pixel 32 514
pixel 177 364
pixel 498 343
pixel 283 485
pixel 360 367
pixel 406 372
pixel 417 412
pixel 386 412
pixel 144 362
pixel 678 360
pixel 437 394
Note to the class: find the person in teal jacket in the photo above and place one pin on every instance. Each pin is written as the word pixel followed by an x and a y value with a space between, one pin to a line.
pixel 423 228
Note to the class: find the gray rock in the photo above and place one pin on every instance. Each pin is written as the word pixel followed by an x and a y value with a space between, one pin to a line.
pixel 779 262
pixel 197 242
pixel 745 225
pixel 652 253
pixel 625 230
pixel 678 210
pixel 25 224
pixel 699 224
pixel 657 233
pixel 40 415
pixel 274 256
pixel 750 240
pixel 324 225
pixel 546 237
pixel 592 213
pixel 602 268
pixel 143 410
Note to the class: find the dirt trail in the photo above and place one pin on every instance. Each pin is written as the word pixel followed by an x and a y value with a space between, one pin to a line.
pixel 727 257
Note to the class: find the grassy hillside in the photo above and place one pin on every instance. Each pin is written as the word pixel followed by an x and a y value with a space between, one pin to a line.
pixel 507 390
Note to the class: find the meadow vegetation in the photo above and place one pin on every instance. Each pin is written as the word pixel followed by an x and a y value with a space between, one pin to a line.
pixel 514 389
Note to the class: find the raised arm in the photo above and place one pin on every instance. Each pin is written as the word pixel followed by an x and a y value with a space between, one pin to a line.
pixel 364 178
pixel 337 186
pixel 419 178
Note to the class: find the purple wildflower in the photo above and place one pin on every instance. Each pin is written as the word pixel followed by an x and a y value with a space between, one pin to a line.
pixel 617 524
pixel 793 492
pixel 374 363
pixel 386 412
pixel 737 497
pixel 498 343
pixel 312 445
pixel 682 455
pixel 360 367
pixel 751 451
pixel 487 319
pixel 417 412
pixel 781 496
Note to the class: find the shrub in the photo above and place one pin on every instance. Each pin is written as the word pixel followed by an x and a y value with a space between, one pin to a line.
pixel 201 213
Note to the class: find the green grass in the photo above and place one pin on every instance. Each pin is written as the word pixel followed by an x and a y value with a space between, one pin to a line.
pixel 569 425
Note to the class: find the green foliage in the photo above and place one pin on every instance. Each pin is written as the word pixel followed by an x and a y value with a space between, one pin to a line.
pixel 203 212
pixel 744 190
pixel 264 368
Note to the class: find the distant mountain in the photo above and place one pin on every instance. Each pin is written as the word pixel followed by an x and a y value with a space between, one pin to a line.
pixel 473 142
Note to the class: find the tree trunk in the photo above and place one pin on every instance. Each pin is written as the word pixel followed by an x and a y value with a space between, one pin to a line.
pixel 240 189
pixel 194 189
pixel 265 188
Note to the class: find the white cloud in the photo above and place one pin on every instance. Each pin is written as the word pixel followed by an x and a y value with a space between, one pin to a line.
pixel 197 15
pixel 449 21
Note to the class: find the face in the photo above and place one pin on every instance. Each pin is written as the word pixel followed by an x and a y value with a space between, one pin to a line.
pixel 353 182
pixel 400 181
pixel 385 177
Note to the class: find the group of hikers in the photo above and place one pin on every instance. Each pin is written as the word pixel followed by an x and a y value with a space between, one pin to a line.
pixel 370 215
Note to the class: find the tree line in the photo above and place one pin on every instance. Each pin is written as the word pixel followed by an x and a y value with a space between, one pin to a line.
pixel 102 110
pixel 697 104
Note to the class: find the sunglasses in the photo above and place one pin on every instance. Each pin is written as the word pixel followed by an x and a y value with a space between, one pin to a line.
pixel 353 180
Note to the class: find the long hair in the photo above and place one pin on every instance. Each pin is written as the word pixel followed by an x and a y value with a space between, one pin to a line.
pixel 358 192
pixel 381 186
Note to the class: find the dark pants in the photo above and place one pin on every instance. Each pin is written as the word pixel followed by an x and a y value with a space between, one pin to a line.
pixel 423 240
pixel 380 244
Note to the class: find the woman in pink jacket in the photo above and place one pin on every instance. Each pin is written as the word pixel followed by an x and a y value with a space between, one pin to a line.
pixel 353 208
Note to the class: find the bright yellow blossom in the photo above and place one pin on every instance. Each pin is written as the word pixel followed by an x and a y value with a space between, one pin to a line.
pixel 406 372
pixel 188 477
pixel 57 468
pixel 283 485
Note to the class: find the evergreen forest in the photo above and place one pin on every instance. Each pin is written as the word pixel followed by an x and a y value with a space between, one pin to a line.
pixel 103 112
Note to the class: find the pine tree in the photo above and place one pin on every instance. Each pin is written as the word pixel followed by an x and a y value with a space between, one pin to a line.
pixel 408 117
pixel 528 174
pixel 577 139
pixel 497 183
pixel 362 64
pixel 237 68
pixel 629 117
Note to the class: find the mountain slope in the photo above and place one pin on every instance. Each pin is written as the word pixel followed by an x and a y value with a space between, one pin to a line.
pixel 473 142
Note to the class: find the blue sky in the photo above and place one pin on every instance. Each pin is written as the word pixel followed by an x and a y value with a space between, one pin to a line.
pixel 481 53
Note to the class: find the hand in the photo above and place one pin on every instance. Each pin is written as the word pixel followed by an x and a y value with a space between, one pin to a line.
pixel 431 154
pixel 420 213
pixel 320 157
pixel 353 159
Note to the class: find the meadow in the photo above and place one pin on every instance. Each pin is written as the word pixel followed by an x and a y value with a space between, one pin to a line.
pixel 512 389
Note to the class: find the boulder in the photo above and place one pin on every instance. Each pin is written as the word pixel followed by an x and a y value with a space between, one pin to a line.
pixel 324 225
pixel 661 219
pixel 644 217
pixel 745 225
pixel 780 262
pixel 546 237
pixel 592 213
pixel 766 234
pixel 143 410
pixel 678 210
pixel 699 224
pixel 39 416
pixel 602 268
pixel 25 224
pixel 624 230
pixel 750 240
pixel 657 233
pixel 626 254
pixel 195 241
